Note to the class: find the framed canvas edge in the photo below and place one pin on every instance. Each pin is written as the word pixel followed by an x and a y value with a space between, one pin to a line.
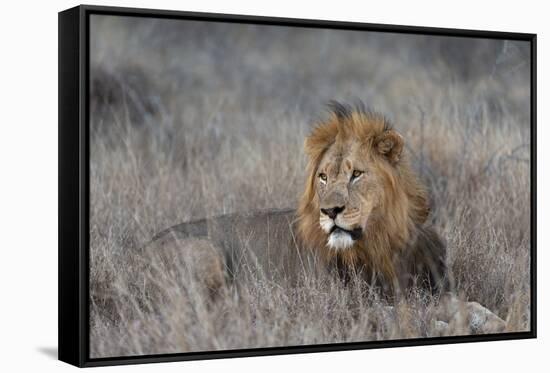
pixel 73 204
pixel 533 155
pixel 288 350
pixel 71 251
pixel 303 22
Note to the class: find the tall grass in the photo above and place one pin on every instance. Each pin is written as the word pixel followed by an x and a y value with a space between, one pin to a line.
pixel 192 120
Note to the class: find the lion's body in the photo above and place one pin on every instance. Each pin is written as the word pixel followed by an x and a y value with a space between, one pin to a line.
pixel 261 244
pixel 266 245
pixel 381 232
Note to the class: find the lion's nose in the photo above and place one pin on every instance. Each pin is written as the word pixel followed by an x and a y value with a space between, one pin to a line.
pixel 332 212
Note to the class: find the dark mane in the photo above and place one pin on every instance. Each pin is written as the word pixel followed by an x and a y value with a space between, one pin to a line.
pixel 345 111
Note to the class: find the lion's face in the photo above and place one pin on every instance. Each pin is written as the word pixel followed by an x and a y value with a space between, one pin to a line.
pixel 348 190
pixel 359 192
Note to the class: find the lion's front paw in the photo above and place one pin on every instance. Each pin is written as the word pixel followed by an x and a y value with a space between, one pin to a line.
pixel 457 317
pixel 483 321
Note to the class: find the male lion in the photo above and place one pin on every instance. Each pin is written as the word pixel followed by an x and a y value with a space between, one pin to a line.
pixel 363 212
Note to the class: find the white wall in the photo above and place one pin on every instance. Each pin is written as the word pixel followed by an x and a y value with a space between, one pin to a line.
pixel 28 194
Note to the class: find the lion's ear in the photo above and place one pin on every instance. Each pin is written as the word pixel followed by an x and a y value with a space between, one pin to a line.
pixel 390 144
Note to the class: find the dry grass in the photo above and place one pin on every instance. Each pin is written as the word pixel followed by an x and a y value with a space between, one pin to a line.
pixel 193 120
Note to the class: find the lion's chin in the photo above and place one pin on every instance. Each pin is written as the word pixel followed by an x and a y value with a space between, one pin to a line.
pixel 340 240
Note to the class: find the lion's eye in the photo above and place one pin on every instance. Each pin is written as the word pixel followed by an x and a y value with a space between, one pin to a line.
pixel 323 177
pixel 356 174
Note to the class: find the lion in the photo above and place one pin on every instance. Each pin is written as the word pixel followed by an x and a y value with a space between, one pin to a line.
pixel 363 212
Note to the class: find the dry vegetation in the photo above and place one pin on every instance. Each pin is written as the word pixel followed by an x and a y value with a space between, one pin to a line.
pixel 193 120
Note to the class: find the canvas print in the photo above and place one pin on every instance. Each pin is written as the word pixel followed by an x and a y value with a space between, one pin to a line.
pixel 263 186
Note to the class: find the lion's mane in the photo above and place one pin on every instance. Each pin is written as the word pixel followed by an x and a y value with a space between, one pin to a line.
pixel 398 229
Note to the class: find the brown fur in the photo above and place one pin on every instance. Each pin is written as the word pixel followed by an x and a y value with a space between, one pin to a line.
pixel 394 240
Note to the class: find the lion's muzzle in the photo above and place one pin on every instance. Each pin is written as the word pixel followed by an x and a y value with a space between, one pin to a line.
pixel 340 235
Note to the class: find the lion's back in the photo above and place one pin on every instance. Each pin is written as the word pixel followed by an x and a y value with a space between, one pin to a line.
pixel 259 244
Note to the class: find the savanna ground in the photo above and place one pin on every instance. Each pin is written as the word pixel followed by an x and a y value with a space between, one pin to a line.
pixel 192 120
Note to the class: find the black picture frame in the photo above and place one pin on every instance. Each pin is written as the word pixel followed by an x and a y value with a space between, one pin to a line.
pixel 74 200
